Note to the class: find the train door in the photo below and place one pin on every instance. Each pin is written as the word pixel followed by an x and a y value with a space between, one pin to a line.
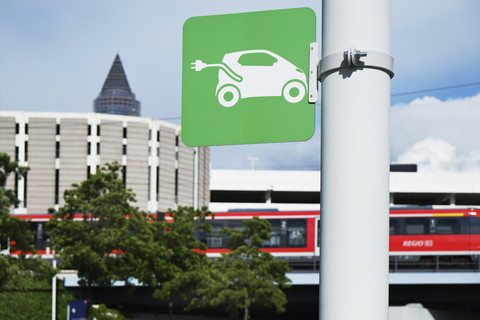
pixel 317 237
pixel 474 235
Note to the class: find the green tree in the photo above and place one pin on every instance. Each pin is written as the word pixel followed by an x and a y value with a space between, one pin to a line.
pixel 12 230
pixel 101 312
pixel 27 291
pixel 174 262
pixel 246 275
pixel 99 246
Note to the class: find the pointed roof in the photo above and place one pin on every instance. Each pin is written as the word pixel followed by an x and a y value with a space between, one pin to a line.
pixel 116 78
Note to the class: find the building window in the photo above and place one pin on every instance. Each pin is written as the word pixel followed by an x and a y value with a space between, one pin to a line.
pixel 58 129
pixel 125 133
pixel 124 176
pixel 57 185
pixel 150 134
pixel 89 129
pixel 16 186
pixel 26 150
pixel 98 130
pixel 89 148
pixel 25 183
pixel 88 172
pixel 176 141
pixel 149 181
pixel 17 128
pixel 157 184
pixel 57 150
pixel 158 136
pixel 26 128
pixel 176 185
pixel 17 153
pixel 98 147
pixel 124 149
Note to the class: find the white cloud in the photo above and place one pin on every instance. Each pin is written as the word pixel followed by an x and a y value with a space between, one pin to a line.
pixel 435 155
pixel 437 135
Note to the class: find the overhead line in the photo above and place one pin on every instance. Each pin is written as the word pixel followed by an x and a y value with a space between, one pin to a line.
pixel 436 89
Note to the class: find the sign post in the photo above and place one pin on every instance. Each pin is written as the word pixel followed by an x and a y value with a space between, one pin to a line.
pixel 245 78
pixel 356 68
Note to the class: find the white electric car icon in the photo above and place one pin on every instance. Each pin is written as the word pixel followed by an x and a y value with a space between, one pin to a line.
pixel 256 73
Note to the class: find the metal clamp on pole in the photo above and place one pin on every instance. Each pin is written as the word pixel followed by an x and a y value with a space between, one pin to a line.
pixel 313 73
pixel 355 59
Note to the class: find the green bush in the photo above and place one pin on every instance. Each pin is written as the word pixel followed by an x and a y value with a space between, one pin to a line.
pixel 26 292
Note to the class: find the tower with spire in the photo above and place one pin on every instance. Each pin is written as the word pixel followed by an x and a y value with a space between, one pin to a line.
pixel 116 96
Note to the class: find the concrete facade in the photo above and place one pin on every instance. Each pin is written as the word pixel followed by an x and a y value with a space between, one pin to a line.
pixel 65 148
pixel 300 190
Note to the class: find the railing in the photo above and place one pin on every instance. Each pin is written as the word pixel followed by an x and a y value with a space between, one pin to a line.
pixel 438 263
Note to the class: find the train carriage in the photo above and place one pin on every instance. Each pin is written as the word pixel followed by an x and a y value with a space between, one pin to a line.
pixel 418 237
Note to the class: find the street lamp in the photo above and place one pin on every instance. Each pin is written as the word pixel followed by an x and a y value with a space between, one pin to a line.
pixel 61 275
pixel 252 159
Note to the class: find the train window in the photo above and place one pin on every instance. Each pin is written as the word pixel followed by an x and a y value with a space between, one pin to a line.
pixel 210 239
pixel 237 224
pixel 297 233
pixel 448 226
pixel 214 242
pixel 394 226
pixel 276 234
pixel 318 233
pixel 274 241
pixel 285 233
pixel 41 239
pixel 417 226
pixel 474 225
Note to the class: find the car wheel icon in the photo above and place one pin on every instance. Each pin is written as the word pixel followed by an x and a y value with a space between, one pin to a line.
pixel 228 96
pixel 293 91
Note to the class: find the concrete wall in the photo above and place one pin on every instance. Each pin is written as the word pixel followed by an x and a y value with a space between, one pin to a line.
pixel 7 143
pixel 111 146
pixel 166 169
pixel 63 148
pixel 137 161
pixel 203 176
pixel 41 160
pixel 73 153
pixel 185 175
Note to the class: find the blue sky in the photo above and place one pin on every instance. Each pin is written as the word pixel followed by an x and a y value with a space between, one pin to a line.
pixel 55 55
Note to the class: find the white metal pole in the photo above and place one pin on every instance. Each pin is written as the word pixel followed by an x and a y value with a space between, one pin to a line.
pixel 195 178
pixel 54 297
pixel 54 289
pixel 355 163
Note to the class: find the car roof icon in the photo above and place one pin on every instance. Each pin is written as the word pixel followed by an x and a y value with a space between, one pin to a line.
pixel 235 56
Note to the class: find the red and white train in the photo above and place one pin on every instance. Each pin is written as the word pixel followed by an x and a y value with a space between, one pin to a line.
pixel 417 236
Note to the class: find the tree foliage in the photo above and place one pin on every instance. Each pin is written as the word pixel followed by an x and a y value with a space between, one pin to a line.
pixel 116 241
pixel 101 245
pixel 11 229
pixel 27 292
pixel 101 312
pixel 246 275
pixel 174 263
pixel 25 284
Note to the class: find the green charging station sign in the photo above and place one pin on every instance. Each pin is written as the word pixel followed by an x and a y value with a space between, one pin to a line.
pixel 245 78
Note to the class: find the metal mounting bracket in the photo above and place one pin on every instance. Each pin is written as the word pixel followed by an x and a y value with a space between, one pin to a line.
pixel 355 59
pixel 313 73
